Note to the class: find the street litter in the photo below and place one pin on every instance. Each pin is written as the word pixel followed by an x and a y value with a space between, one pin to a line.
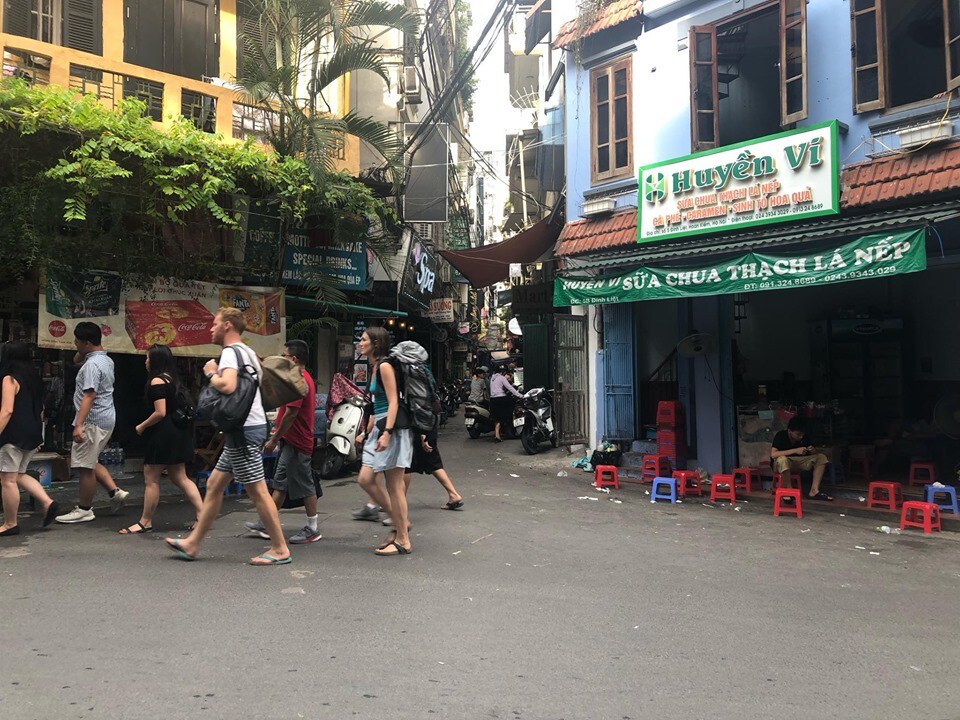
pixel 938 484
pixel 646 492
pixel 872 552
pixel 512 475
pixel 863 499
pixel 563 473
pixel 736 508
pixel 842 515
pixel 618 502
pixel 888 530
pixel 603 490
pixel 458 552
pixel 587 497
pixel 807 530
pixel 859 547
pixel 914 667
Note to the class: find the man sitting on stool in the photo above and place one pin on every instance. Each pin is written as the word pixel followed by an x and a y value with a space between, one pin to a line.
pixel 792 452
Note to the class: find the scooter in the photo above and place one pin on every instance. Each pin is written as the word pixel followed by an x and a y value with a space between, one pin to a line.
pixel 477 420
pixel 533 416
pixel 342 451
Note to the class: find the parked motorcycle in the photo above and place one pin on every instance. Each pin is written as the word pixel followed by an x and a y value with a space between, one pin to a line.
pixel 342 451
pixel 533 417
pixel 478 421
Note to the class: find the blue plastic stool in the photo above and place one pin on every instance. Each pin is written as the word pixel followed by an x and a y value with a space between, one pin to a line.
pixel 201 480
pixel 671 485
pixel 945 490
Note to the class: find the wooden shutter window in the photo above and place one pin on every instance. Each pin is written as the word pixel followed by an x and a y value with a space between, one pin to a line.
pixel 704 93
pixel 192 45
pixel 951 33
pixel 83 25
pixel 16 17
pixel 869 55
pixel 611 116
pixel 793 61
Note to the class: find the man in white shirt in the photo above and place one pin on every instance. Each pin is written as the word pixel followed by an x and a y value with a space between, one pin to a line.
pixel 241 458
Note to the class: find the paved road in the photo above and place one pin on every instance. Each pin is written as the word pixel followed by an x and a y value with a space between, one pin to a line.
pixel 531 603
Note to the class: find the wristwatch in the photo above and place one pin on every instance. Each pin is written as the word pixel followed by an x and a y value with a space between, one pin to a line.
pixel 388 430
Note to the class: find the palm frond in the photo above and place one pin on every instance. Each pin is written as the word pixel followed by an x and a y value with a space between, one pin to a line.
pixel 351 58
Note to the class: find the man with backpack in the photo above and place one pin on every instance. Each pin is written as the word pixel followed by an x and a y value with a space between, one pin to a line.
pixel 241 459
pixel 293 434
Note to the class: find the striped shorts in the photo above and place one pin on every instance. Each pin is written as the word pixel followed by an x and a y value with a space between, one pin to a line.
pixel 242 458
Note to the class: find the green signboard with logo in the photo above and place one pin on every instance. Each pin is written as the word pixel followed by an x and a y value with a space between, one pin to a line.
pixel 790 176
pixel 872 256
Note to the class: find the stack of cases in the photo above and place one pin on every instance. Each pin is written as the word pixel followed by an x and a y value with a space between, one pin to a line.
pixel 671 437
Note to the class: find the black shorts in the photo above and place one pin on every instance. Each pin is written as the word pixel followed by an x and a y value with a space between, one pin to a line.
pixel 426 463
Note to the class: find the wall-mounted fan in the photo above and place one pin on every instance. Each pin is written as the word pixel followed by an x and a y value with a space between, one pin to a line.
pixel 696 345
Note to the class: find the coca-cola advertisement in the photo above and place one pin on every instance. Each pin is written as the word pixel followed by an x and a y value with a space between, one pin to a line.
pixel 172 312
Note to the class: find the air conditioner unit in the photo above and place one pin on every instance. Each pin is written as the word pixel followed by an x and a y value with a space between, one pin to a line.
pixel 411 85
pixel 595 208
pixel 924 134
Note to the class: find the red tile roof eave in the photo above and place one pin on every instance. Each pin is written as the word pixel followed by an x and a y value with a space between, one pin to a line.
pixel 901 178
pixel 595 234
pixel 610 16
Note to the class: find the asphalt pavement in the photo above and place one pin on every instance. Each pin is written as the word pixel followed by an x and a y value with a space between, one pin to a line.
pixel 543 598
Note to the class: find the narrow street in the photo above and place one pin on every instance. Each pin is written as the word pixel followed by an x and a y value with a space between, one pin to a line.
pixel 530 603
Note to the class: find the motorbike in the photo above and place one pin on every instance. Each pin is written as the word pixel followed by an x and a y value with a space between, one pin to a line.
pixel 478 421
pixel 342 451
pixel 533 417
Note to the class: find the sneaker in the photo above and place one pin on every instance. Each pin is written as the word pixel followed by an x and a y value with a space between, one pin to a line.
pixel 367 513
pixel 257 528
pixel 118 500
pixel 306 535
pixel 387 521
pixel 77 515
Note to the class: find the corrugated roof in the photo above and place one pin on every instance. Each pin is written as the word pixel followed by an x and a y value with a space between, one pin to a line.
pixel 903 177
pixel 613 14
pixel 768 237
pixel 598 234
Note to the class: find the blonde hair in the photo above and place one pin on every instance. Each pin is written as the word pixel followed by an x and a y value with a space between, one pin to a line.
pixel 233 316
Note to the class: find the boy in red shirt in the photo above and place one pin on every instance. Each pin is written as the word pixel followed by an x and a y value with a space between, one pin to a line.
pixel 293 434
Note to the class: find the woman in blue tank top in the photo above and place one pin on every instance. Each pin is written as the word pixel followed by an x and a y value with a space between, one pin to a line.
pixel 387 449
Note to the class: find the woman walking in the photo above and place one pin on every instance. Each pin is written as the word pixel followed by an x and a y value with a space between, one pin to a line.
pixel 501 406
pixel 169 442
pixel 387 449
pixel 21 435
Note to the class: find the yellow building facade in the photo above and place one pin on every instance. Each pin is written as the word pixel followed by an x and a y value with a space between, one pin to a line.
pixel 192 49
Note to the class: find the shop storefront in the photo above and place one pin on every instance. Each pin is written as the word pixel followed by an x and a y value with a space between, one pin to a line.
pixel 847 320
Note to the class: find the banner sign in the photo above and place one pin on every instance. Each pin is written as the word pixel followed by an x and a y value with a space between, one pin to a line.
pixel 345 265
pixel 441 310
pixel 533 299
pixel 420 273
pixel 775 179
pixel 872 256
pixel 173 312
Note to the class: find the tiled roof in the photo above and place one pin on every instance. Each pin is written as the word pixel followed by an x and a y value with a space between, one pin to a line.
pixel 598 234
pixel 897 178
pixel 613 14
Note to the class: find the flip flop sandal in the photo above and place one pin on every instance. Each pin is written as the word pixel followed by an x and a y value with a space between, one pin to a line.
pixel 453 505
pixel 271 560
pixel 400 550
pixel 821 496
pixel 181 553
pixel 143 529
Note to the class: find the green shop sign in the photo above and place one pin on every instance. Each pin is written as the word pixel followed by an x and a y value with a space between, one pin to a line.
pixel 773 179
pixel 872 256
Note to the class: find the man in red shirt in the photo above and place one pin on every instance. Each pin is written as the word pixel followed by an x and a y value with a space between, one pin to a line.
pixel 293 434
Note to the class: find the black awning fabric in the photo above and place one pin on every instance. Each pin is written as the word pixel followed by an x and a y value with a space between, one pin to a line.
pixel 490 264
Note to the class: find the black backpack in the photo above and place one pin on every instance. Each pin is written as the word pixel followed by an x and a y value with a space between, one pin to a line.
pixel 418 395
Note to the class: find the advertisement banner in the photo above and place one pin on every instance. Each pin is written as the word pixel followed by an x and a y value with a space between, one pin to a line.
pixel 775 179
pixel 420 274
pixel 173 312
pixel 872 256
pixel 345 265
pixel 441 310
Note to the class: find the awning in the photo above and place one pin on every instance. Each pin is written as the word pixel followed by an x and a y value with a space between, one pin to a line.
pixel 871 256
pixel 490 264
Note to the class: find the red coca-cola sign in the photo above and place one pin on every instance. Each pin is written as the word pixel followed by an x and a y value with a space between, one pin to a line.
pixel 106 330
pixel 57 328
pixel 176 323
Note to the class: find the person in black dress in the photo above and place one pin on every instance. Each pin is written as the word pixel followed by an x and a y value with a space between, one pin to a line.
pixel 21 434
pixel 169 444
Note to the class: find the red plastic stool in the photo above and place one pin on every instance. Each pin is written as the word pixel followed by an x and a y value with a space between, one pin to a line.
pixel 788 509
pixel 744 477
pixel 928 468
pixel 778 482
pixel 655 466
pixel 726 492
pixel 864 466
pixel 884 494
pixel 607 475
pixel 929 513
pixel 688 483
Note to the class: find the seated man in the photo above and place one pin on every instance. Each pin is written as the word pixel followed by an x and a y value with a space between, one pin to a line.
pixel 792 452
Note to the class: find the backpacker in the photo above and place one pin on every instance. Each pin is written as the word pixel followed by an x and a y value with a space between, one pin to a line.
pixel 416 386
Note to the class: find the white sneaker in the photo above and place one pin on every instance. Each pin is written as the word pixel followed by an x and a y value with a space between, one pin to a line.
pixel 77 515
pixel 118 500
